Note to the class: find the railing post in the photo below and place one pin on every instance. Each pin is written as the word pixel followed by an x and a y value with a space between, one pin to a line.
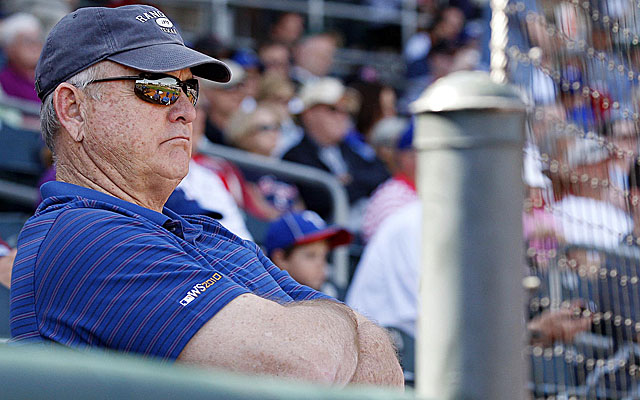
pixel 469 137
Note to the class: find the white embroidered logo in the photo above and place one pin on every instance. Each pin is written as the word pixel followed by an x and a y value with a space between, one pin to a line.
pixel 164 22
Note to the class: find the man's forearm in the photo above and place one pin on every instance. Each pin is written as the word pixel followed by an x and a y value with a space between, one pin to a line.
pixel 377 360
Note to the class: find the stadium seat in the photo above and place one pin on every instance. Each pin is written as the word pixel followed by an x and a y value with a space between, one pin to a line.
pixel 20 153
pixel 10 225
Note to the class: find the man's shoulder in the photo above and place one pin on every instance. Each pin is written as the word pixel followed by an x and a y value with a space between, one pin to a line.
pixel 78 207
pixel 75 218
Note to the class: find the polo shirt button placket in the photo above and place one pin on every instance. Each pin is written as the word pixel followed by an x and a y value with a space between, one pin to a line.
pixel 174 227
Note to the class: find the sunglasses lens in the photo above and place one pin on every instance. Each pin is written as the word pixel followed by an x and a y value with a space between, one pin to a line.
pixel 192 90
pixel 165 90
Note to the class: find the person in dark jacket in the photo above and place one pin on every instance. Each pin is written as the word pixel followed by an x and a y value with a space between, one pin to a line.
pixel 325 120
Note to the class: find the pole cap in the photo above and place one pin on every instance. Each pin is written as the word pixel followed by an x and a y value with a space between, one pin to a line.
pixel 466 90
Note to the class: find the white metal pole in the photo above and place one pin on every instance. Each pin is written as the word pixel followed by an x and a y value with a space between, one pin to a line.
pixel 469 136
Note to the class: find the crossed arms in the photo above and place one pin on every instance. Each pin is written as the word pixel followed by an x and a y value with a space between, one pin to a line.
pixel 318 340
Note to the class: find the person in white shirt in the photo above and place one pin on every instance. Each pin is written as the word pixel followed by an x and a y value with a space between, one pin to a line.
pixel 385 283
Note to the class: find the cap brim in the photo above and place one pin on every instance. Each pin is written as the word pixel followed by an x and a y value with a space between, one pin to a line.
pixel 168 57
pixel 335 237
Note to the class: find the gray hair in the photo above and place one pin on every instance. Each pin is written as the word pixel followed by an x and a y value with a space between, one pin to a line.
pixel 49 123
pixel 17 24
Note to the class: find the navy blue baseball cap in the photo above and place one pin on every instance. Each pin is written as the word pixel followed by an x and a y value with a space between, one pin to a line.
pixel 137 36
pixel 301 228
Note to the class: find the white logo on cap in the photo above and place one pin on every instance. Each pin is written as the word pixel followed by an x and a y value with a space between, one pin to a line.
pixel 164 22
pixel 313 218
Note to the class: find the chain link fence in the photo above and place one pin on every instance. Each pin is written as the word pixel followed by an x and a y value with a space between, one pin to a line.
pixel 577 63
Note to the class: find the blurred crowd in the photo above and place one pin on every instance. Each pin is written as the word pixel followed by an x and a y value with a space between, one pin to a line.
pixel 286 102
pixel 581 217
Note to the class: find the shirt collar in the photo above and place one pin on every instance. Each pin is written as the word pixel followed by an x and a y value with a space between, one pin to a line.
pixel 63 189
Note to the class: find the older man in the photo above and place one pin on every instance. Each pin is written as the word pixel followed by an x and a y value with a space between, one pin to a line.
pixel 326 123
pixel 103 264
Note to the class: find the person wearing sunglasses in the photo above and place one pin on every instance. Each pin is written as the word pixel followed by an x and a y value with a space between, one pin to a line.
pixel 102 263
pixel 258 131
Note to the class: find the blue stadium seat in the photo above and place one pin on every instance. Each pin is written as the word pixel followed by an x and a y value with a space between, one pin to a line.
pixel 20 151
pixel 10 225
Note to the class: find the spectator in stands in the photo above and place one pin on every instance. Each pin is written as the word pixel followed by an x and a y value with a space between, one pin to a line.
pixel 386 280
pixel 313 57
pixel 430 54
pixel 248 60
pixel 277 92
pixel 107 250
pixel 378 102
pixel 384 139
pixel 275 58
pixel 375 101
pixel 397 191
pixel 584 213
pixel 21 40
pixel 223 100
pixel 446 28
pixel 385 283
pixel 299 243
pixel 231 177
pixel 325 120
pixel 257 132
pixel 287 28
pixel 7 256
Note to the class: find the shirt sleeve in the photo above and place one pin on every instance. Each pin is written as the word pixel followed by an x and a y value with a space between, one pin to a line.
pixel 107 280
pixel 295 290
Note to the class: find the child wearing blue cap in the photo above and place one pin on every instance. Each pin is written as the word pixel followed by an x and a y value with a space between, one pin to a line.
pixel 299 243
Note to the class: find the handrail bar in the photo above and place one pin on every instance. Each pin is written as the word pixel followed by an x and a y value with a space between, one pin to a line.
pixel 18 193
pixel 24 106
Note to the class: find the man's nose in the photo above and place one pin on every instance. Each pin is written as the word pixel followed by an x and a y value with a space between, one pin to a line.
pixel 182 110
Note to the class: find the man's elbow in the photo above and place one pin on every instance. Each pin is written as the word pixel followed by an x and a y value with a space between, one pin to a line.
pixel 331 365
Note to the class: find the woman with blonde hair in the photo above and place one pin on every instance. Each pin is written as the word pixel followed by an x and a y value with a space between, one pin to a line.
pixel 258 131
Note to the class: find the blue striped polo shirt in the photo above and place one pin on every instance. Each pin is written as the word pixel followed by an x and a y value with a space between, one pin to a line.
pixel 95 270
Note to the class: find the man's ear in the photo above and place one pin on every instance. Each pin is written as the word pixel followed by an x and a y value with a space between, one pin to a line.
pixel 67 101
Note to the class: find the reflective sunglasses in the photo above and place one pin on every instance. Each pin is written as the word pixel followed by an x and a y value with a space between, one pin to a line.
pixel 158 88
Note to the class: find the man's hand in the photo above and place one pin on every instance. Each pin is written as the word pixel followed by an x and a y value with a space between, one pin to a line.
pixel 557 326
